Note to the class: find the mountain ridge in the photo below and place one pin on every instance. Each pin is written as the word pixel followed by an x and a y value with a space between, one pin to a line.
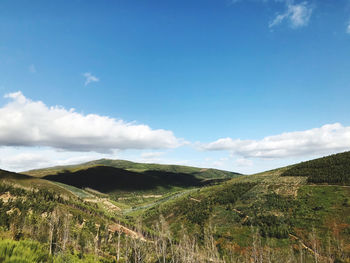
pixel 129 165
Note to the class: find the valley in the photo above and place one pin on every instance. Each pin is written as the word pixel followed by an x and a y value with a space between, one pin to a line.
pixel 119 211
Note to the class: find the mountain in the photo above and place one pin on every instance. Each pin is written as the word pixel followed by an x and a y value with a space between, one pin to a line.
pixel 119 176
pixel 203 173
pixel 299 213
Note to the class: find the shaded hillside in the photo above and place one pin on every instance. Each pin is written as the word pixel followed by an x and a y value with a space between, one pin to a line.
pixel 107 179
pixel 202 173
pixel 333 169
pixel 112 176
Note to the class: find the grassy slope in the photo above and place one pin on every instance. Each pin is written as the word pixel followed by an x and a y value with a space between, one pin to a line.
pixel 279 206
pixel 28 182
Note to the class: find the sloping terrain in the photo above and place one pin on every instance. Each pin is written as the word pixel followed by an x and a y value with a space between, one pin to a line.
pixel 58 218
pixel 333 169
pixel 108 179
pixel 284 210
pixel 137 167
pixel 123 179
pixel 30 183
pixel 274 216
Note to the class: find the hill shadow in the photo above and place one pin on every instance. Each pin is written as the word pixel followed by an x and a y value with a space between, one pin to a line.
pixel 107 179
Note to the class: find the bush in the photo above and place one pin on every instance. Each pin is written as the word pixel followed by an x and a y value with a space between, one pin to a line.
pixel 23 251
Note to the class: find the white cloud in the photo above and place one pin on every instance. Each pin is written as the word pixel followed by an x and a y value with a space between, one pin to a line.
pixel 243 162
pixel 298 15
pixel 26 158
pixel 24 122
pixel 32 68
pixel 89 78
pixel 348 28
pixel 327 139
pixel 74 160
pixel 23 160
pixel 151 155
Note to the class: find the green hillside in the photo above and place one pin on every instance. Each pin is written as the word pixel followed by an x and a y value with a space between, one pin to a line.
pixel 64 226
pixel 278 210
pixel 201 173
pixel 29 182
pixel 333 169
pixel 274 216
pixel 134 181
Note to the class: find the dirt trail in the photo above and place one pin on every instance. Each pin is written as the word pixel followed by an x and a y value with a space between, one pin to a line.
pixel 105 202
pixel 110 206
pixel 194 199
pixel 127 231
pixel 152 196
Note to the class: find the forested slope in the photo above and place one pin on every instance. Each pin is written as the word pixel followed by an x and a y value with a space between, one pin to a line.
pixel 286 214
pixel 333 169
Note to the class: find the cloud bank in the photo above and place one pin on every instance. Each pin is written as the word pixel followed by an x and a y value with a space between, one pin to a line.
pixel 23 160
pixel 26 158
pixel 298 15
pixel 327 139
pixel 24 122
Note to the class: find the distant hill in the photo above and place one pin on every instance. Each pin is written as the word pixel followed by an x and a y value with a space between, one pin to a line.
pixel 111 176
pixel 107 179
pixel 333 169
pixel 203 173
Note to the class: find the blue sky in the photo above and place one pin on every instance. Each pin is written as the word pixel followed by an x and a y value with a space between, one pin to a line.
pixel 200 75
